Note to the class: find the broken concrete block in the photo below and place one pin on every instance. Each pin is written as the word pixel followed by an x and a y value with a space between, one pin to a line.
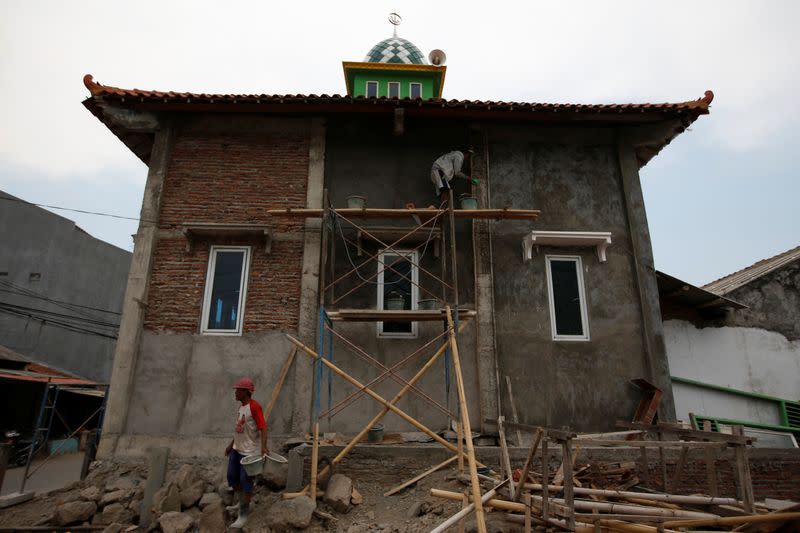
pixel 115 496
pixel 90 494
pixel 167 499
pixel 208 499
pixel 186 476
pixel 115 512
pixel 120 483
pixel 74 512
pixel 294 513
pixel 114 528
pixel 191 495
pixel 212 520
pixel 338 493
pixel 175 522
pixel 226 493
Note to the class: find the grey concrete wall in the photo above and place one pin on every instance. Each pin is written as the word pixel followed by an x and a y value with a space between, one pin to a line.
pixel 184 383
pixel 773 301
pixel 73 267
pixel 574 179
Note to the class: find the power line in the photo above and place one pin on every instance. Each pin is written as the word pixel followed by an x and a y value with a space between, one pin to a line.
pixel 52 300
pixel 45 312
pixel 58 323
pixel 19 200
pixel 31 293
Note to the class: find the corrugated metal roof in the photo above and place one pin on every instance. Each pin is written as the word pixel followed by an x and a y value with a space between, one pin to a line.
pixel 742 277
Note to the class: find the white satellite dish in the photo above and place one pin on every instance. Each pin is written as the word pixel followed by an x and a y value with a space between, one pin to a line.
pixel 437 57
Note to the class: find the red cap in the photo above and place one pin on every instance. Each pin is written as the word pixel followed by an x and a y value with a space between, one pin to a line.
pixel 245 383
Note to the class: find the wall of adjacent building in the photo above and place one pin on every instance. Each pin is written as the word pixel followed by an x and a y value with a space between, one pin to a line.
pixel 48 264
pixel 743 358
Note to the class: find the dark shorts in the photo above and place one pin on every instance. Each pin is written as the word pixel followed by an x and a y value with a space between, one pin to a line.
pixel 237 477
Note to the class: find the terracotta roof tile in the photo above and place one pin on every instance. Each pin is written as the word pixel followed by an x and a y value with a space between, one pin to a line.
pixel 699 106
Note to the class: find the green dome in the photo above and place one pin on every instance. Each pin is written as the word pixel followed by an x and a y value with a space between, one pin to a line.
pixel 395 50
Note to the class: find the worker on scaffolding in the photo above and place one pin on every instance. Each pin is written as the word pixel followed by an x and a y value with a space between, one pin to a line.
pixel 448 167
pixel 250 432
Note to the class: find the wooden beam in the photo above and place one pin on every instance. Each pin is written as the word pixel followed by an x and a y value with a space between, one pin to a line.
pixel 314 457
pixel 506 460
pixel 513 405
pixel 528 464
pixel 711 463
pixel 492 214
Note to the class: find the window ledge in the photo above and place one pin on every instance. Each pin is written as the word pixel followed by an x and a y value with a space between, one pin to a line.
pixel 194 232
pixel 599 239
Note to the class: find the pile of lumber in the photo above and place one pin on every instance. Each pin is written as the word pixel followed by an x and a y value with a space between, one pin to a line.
pixel 605 496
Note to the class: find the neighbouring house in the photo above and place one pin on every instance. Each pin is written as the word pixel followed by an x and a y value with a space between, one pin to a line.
pixel 563 308
pixel 61 290
pixel 734 355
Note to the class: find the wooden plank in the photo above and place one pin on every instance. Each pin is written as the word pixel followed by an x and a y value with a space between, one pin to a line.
pixel 281 378
pixel 514 416
pixel 679 468
pixel 528 463
pixel 462 400
pixel 566 447
pixel 666 427
pixel 743 479
pixel 423 475
pixel 557 434
pixel 377 315
pixel 545 479
pixel 506 460
pixel 496 214
pixel 652 443
pixel 314 458
pixel 527 513
pixel 711 463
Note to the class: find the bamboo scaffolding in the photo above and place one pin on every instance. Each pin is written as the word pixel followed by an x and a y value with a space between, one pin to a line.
pixel 463 513
pixel 734 520
pixel 281 378
pixel 462 400
pixel 669 498
pixel 528 463
pixel 314 458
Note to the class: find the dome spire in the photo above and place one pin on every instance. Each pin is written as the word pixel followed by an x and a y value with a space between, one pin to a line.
pixel 395 20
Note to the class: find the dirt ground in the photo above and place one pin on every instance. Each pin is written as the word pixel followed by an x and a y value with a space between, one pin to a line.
pixel 411 510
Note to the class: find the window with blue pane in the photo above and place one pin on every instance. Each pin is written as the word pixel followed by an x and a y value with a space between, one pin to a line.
pixel 226 286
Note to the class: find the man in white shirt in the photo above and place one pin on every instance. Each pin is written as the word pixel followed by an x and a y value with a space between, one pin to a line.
pixel 249 438
pixel 447 167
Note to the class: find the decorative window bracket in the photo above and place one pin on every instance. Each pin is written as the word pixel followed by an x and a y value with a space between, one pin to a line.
pixel 194 232
pixel 599 239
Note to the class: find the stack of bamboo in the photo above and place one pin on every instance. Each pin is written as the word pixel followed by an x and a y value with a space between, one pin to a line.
pixel 599 496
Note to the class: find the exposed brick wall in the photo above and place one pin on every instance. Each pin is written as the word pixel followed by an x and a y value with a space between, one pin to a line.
pixel 232 180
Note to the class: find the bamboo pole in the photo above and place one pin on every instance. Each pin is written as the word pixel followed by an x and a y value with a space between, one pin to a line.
pixel 460 437
pixel 545 479
pixel 734 520
pixel 314 458
pixel 462 400
pixel 569 497
pixel 528 464
pixel 426 473
pixel 464 504
pixel 669 498
pixel 583 505
pixel 281 378
pixel 514 416
pixel 463 513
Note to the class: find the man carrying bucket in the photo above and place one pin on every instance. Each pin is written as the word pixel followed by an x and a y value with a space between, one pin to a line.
pixel 250 430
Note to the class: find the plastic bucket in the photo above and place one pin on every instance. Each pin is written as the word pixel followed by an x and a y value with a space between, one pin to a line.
pixel 427 305
pixel 395 303
pixel 273 464
pixel 356 202
pixel 375 433
pixel 468 202
pixel 253 464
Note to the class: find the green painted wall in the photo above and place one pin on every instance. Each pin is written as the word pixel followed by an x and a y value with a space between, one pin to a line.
pixel 384 77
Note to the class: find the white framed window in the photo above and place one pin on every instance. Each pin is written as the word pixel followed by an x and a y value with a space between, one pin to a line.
pixel 568 317
pixel 372 89
pixel 226 288
pixel 415 90
pixel 394 89
pixel 398 289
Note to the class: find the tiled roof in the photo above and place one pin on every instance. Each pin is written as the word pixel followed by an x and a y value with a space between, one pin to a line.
pixel 699 106
pixel 684 113
pixel 742 277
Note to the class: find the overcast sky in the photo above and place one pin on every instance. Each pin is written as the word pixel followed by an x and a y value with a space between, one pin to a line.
pixel 720 197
